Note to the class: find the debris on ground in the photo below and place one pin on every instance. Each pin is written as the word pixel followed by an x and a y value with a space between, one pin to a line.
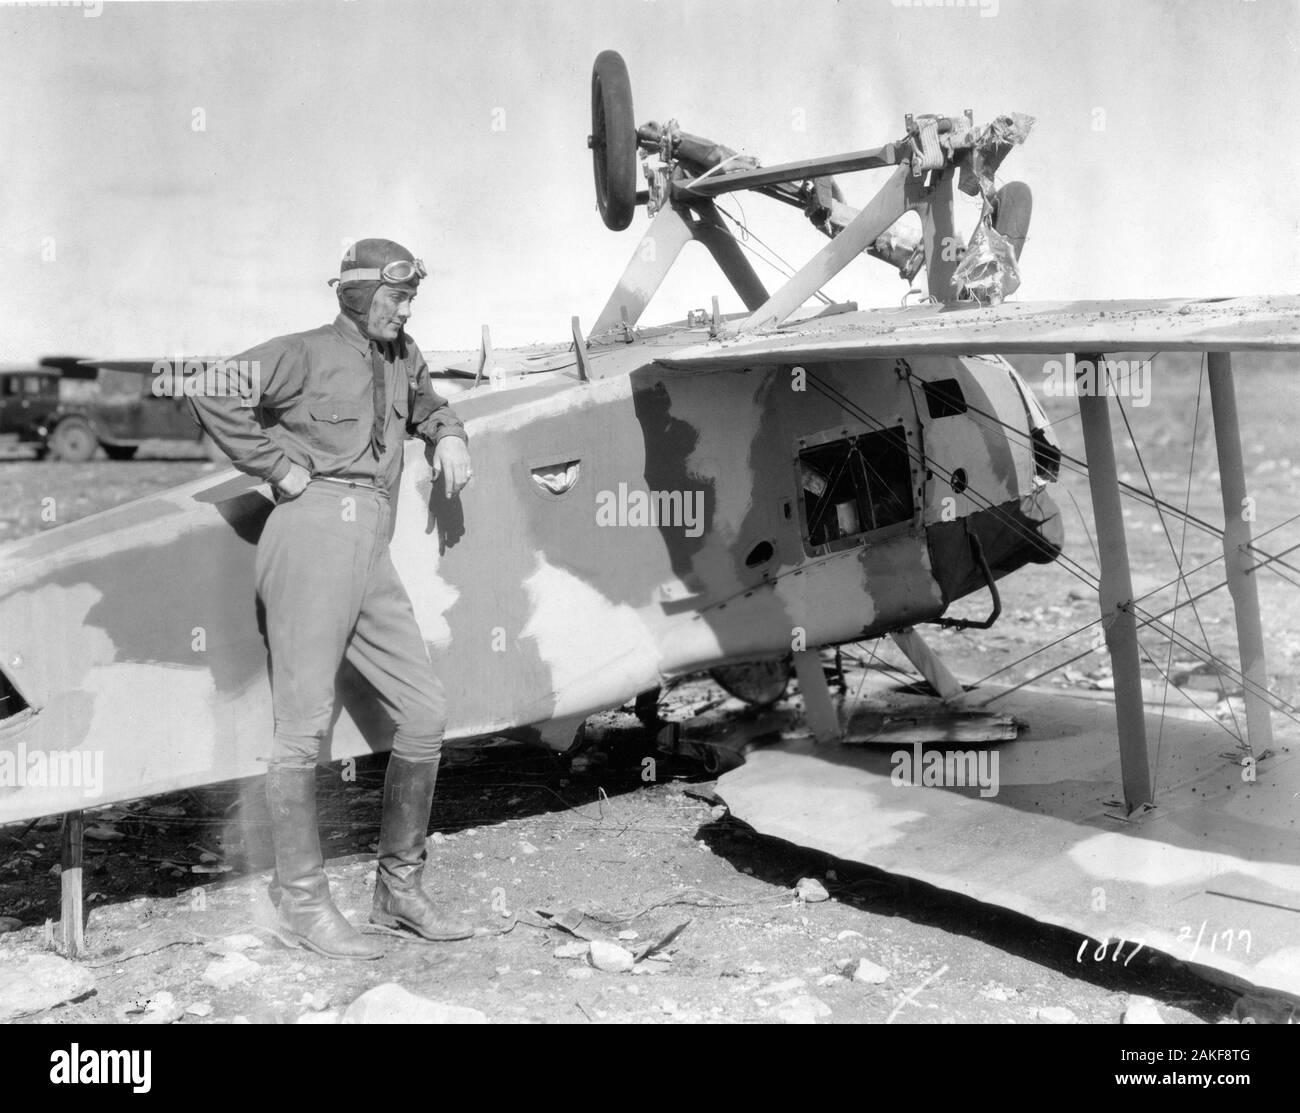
pixel 1142 1010
pixel 805 1009
pixel 610 957
pixel 868 973
pixel 230 969
pixel 571 950
pixel 389 1003
pixel 38 982
pixel 810 890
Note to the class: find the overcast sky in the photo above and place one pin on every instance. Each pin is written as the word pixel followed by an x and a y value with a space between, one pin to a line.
pixel 181 177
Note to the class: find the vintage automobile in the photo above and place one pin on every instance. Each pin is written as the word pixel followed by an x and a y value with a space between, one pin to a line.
pixel 68 416
pixel 29 398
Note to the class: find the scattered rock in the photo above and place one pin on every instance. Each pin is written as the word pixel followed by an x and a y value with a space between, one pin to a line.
pixel 199 1008
pixel 1142 1010
pixel 1056 1014
pixel 103 834
pixel 231 969
pixel 159 1008
pixel 577 949
pixel 318 1002
pixel 528 848
pixel 609 957
pixel 829 979
pixel 787 986
pixel 811 890
pixel 40 982
pixel 629 934
pixel 389 1003
pixel 241 941
pixel 995 993
pixel 659 964
pixel 330 1016
pixel 847 935
pixel 580 972
pixel 867 972
pixel 805 1009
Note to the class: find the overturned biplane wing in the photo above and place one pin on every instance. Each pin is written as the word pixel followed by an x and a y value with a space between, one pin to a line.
pixel 1202 858
pixel 1167 324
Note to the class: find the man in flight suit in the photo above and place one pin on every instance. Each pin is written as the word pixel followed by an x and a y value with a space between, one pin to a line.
pixel 335 406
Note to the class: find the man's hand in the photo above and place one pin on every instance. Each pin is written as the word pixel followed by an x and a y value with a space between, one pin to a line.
pixel 293 484
pixel 451 461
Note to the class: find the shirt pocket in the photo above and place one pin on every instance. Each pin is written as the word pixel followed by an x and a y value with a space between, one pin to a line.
pixel 335 427
pixel 400 407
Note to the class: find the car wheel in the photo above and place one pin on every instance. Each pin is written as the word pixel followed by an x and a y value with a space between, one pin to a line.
pixel 73 441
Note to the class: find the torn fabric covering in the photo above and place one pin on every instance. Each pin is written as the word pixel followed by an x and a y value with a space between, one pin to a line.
pixel 988 270
pixel 991 145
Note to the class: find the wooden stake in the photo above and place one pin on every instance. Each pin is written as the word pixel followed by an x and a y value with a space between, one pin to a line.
pixel 72 923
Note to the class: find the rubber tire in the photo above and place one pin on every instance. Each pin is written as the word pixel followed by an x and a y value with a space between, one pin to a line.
pixel 121 451
pixel 613 140
pixel 758 683
pixel 73 441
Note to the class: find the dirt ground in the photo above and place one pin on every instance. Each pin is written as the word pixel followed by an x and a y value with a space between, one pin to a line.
pixel 176 885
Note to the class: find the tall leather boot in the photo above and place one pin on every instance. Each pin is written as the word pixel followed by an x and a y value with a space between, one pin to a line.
pixel 399 890
pixel 307 915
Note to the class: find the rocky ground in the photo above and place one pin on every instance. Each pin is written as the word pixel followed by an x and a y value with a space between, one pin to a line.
pixel 548 856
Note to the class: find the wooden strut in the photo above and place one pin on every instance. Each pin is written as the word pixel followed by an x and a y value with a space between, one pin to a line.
pixel 1116 593
pixel 1236 553
pixel 819 707
pixel 672 229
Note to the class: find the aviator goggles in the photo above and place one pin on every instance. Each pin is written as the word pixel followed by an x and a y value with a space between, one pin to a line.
pixel 398 271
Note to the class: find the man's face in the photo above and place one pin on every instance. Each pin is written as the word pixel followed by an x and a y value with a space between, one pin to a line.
pixel 389 312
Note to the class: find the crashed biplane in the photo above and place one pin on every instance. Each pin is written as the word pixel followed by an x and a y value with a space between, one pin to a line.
pixel 729 491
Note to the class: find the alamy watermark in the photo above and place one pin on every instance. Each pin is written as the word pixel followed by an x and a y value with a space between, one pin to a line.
pixel 986 7
pixel 946 769
pixel 1109 378
pixel 90 9
pixel 218 378
pixel 674 509
pixel 24 768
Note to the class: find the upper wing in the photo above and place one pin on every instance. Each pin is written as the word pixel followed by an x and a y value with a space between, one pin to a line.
pixel 144 366
pixel 1207 324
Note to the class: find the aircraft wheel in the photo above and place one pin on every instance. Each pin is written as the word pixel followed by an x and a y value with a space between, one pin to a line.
pixel 760 683
pixel 613 140
pixel 73 441
pixel 120 451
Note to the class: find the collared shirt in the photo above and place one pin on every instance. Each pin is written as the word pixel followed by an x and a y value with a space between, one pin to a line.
pixel 314 405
